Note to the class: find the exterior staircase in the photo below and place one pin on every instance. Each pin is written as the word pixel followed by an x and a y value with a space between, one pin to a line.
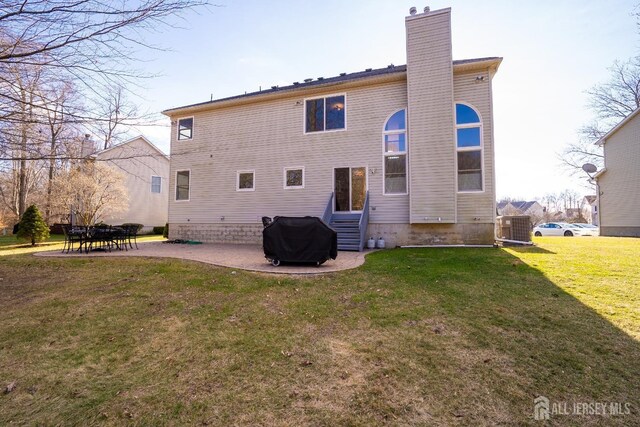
pixel 351 227
pixel 348 228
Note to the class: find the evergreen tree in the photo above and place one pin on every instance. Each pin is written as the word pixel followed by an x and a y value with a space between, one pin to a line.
pixel 32 226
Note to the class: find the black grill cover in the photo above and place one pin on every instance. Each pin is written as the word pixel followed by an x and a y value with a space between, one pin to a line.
pixel 299 239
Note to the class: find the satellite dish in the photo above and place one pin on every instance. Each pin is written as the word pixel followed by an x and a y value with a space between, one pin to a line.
pixel 589 168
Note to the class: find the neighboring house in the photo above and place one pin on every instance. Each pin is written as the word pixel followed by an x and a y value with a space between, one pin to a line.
pixel 531 208
pixel 404 152
pixel 590 209
pixel 618 183
pixel 146 169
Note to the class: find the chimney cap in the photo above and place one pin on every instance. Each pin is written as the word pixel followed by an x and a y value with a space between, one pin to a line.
pixel 413 10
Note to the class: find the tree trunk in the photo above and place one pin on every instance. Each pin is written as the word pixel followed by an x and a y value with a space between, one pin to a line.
pixel 22 173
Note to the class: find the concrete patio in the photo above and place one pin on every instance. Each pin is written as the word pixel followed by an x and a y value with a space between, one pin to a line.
pixel 244 257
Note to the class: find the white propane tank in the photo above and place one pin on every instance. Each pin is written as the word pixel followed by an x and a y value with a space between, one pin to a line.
pixel 371 243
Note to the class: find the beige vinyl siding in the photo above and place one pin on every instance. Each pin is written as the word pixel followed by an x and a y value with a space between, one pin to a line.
pixel 138 161
pixel 430 128
pixel 269 136
pixel 478 205
pixel 620 184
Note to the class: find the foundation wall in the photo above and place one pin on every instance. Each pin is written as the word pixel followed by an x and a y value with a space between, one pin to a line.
pixel 393 234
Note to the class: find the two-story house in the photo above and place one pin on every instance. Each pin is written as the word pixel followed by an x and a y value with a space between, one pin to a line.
pixel 403 152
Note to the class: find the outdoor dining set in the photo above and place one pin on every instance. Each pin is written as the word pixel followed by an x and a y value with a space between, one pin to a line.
pixel 100 237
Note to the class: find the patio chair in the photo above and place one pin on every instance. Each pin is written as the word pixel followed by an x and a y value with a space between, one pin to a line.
pixel 132 233
pixel 120 237
pixel 71 237
pixel 99 237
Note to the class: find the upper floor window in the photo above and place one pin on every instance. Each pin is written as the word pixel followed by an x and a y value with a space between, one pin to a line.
pixel 183 187
pixel 469 148
pixel 394 164
pixel 156 184
pixel 325 114
pixel 185 128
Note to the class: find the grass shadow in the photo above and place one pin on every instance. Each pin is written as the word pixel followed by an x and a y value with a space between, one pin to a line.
pixel 530 249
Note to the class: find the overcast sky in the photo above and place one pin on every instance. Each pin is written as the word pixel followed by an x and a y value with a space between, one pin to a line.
pixel 553 51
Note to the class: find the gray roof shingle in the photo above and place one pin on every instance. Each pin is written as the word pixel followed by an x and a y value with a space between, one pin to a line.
pixel 343 77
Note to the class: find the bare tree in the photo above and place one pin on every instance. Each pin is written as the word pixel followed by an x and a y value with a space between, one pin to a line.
pixel 92 43
pixel 117 113
pixel 60 101
pixel 92 190
pixel 18 133
pixel 610 102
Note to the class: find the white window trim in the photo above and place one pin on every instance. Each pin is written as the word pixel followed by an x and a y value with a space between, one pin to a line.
pixel 294 187
pixel 251 171
pixel 467 149
pixel 193 125
pixel 158 176
pixel 304 116
pixel 175 192
pixel 386 154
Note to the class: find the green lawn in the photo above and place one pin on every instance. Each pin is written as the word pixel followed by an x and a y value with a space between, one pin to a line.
pixel 413 337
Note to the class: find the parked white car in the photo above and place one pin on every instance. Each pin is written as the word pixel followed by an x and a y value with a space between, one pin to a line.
pixel 592 230
pixel 559 229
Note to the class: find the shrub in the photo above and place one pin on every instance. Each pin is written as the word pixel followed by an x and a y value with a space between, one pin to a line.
pixel 32 227
pixel 158 230
pixel 165 233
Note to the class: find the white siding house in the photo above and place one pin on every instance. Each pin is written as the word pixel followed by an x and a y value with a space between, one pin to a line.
pixel 146 170
pixel 619 182
pixel 409 146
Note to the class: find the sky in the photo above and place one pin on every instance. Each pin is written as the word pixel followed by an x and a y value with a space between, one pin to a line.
pixel 553 52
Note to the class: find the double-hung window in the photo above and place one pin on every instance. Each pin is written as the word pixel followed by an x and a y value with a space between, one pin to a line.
pixel 185 128
pixel 394 138
pixel 469 149
pixel 156 184
pixel 183 185
pixel 324 114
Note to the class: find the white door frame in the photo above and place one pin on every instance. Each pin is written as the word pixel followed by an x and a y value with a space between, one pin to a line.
pixel 366 186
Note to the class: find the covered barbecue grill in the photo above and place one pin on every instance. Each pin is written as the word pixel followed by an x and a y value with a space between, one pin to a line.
pixel 299 239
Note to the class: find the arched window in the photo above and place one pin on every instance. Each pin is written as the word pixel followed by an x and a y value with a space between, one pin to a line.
pixel 394 137
pixel 469 148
